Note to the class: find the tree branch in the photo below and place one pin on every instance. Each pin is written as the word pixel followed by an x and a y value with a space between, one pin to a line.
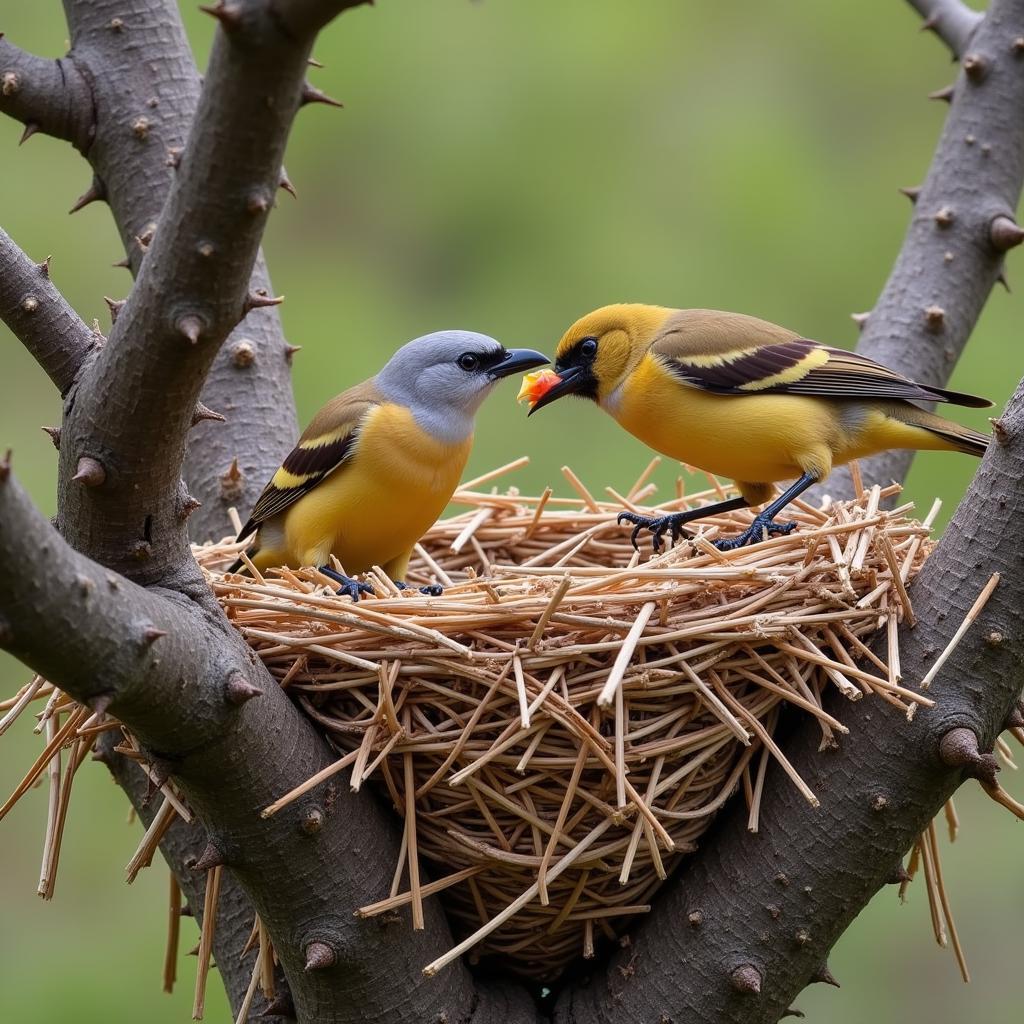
pixel 146 89
pixel 40 317
pixel 49 96
pixel 952 256
pixel 779 900
pixel 951 20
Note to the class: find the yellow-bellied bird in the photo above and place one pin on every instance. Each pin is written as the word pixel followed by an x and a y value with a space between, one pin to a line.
pixel 743 398
pixel 379 462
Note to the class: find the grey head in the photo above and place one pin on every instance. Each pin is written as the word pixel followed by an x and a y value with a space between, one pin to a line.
pixel 444 377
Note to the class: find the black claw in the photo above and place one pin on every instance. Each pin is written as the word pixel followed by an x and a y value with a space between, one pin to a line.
pixel 353 588
pixel 754 534
pixel 657 525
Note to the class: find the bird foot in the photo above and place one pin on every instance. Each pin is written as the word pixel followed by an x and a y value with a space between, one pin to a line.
pixel 353 588
pixel 431 589
pixel 755 533
pixel 658 525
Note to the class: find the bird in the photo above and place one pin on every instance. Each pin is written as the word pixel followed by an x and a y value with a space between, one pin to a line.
pixel 379 462
pixel 742 398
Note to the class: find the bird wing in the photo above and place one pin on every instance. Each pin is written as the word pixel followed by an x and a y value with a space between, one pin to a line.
pixel 326 445
pixel 737 355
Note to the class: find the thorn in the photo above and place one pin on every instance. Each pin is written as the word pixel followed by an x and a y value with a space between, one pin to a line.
pixel 945 94
pixel 115 306
pixel 1003 280
pixel 929 23
pixel 258 203
pixel 1005 233
pixel 880 802
pixel 1018 46
pixel 238 689
pixel 280 1006
pixel 995 638
pixel 203 413
pixel 188 506
pixel 54 433
pixel 313 62
pixel 232 482
pixel 824 976
pixel 860 319
pixel 191 327
pixel 935 318
pixel 319 956
pixel 194 951
pixel 5 466
pixel 30 304
pixel 125 263
pixel 90 472
pixel 30 129
pixel 11 83
pixel 227 14
pixel 259 299
pixel 696 918
pixel 140 550
pixel 958 748
pixel 152 634
pixel 140 128
pixel 211 857
pixel 173 157
pixel 944 217
pixel 747 979
pixel 96 191
pixel 286 184
pixel 802 936
pixel 100 703
pixel 793 1012
pixel 44 267
pixel 311 94
pixel 243 354
pixel 899 875
pixel 289 351
pixel 911 192
pixel 186 910
pixel 975 67
pixel 116 25
pixel 313 821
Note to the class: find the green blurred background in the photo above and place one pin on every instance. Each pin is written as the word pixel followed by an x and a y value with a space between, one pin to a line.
pixel 505 166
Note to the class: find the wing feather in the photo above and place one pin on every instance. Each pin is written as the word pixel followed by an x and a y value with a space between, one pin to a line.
pixel 738 355
pixel 323 449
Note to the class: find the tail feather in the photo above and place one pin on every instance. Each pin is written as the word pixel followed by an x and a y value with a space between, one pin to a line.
pixel 958 437
pixel 959 398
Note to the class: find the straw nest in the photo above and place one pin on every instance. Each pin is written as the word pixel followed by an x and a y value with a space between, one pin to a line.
pixel 560 726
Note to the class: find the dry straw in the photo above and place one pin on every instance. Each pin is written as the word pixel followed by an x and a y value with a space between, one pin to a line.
pixel 560 726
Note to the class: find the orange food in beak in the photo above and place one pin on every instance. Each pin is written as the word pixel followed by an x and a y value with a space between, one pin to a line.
pixel 536 385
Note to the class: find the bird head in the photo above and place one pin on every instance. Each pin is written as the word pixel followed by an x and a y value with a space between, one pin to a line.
pixel 596 354
pixel 444 377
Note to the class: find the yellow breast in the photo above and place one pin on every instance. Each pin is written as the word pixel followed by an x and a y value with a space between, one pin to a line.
pixel 753 438
pixel 376 506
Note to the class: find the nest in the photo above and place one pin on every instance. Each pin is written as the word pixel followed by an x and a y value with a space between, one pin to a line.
pixel 560 727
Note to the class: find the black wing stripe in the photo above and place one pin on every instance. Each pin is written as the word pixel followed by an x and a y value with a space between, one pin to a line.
pixel 301 461
pixel 757 364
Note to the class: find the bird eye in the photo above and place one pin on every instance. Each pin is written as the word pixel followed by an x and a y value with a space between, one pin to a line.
pixel 468 362
pixel 588 347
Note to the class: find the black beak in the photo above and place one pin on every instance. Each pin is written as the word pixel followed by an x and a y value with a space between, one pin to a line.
pixel 570 381
pixel 517 360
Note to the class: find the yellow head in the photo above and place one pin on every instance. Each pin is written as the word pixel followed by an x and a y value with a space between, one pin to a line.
pixel 598 352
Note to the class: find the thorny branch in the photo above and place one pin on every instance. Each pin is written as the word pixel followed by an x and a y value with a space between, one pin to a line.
pixel 951 20
pixel 39 317
pixel 963 217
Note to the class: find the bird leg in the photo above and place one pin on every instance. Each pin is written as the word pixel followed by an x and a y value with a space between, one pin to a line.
pixel 348 585
pixel 674 523
pixel 431 590
pixel 764 522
